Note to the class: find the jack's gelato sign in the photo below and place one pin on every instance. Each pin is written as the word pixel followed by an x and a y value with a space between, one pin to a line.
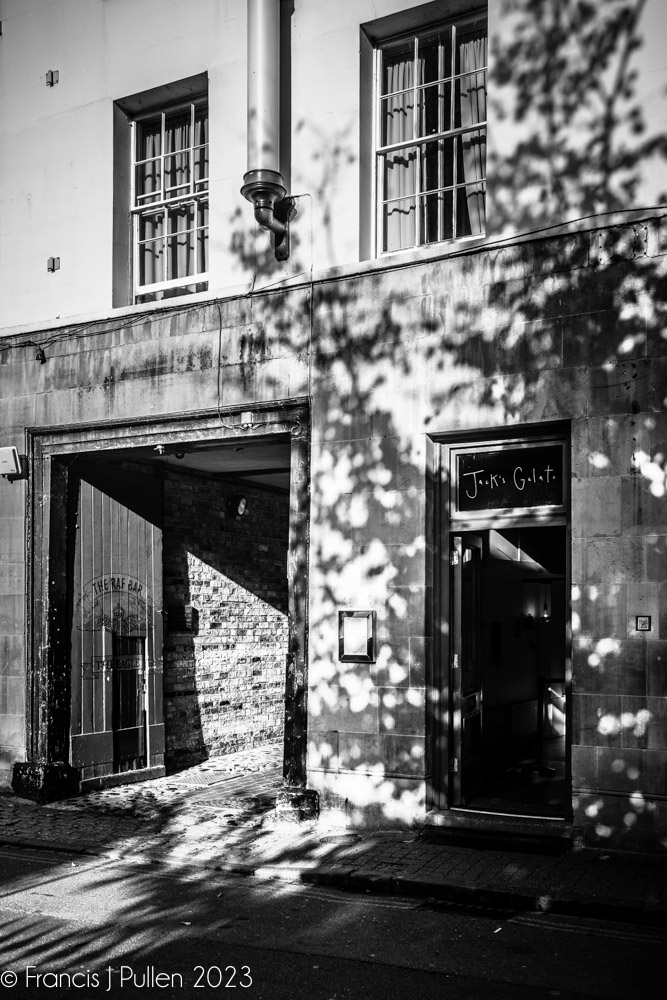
pixel 510 478
pixel 116 603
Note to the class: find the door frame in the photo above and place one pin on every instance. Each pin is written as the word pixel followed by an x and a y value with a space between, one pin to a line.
pixel 458 789
pixel 445 523
pixel 50 526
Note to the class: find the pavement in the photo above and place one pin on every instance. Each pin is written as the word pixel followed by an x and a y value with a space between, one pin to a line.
pixel 221 815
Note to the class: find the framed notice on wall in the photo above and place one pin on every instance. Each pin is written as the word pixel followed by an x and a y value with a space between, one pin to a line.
pixel 356 636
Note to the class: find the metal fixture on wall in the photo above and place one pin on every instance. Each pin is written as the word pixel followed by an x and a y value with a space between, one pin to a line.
pixel 263 184
pixel 53 264
pixel 12 465
pixel 237 506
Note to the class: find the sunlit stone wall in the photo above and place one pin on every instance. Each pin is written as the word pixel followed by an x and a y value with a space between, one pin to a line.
pixel 569 329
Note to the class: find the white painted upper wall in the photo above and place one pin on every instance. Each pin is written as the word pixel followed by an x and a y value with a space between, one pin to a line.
pixel 56 143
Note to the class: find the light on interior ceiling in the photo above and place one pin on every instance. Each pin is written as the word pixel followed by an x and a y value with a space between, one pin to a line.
pixel 545 616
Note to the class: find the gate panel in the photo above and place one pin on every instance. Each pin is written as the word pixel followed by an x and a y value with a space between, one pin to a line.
pixel 116 722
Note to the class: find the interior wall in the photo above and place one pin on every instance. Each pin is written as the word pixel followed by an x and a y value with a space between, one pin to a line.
pixel 224 663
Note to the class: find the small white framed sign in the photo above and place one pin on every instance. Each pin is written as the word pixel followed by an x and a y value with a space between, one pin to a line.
pixel 356 636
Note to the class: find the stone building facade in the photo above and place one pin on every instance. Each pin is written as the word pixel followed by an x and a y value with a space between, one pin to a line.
pixel 399 507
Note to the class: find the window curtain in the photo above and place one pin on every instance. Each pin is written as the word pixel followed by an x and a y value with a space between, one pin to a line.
pixel 151 226
pixel 472 109
pixel 180 220
pixel 149 181
pixel 400 228
pixel 177 155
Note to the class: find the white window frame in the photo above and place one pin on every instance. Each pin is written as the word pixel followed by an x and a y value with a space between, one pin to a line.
pixel 417 141
pixel 197 194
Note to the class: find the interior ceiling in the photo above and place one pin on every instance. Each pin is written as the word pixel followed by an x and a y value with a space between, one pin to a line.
pixel 266 463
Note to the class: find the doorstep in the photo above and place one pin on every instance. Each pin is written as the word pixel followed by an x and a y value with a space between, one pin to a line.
pixel 501 825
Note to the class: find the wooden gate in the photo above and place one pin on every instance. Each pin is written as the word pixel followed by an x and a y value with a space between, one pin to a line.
pixel 116 664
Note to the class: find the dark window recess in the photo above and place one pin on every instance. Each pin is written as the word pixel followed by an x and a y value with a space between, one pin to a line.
pixel 182 618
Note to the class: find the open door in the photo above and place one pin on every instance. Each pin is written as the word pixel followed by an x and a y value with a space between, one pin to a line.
pixel 466 761
pixel 116 659
pixel 507 511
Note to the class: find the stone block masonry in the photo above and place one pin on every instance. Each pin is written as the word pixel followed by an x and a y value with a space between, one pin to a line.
pixel 225 676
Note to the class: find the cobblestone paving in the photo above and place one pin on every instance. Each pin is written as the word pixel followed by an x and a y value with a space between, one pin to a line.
pixel 163 815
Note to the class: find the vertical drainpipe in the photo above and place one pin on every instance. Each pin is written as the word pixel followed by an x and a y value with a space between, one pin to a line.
pixel 263 183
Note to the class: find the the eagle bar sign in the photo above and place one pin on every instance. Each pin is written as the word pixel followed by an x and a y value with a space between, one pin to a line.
pixel 510 478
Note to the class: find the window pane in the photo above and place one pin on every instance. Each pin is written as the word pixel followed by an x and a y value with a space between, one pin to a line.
pixel 433 112
pixel 400 174
pixel 471 46
pixel 201 126
pixel 176 174
pixel 151 262
pixel 151 226
pixel 148 182
pixel 437 164
pixel 181 254
pixel 398 67
pixel 471 156
pixel 181 219
pixel 202 250
pixel 201 167
pixel 397 115
pixel 399 224
pixel 177 131
pixel 149 138
pixel 202 237
pixel 470 100
pixel 436 217
pixel 471 210
pixel 434 57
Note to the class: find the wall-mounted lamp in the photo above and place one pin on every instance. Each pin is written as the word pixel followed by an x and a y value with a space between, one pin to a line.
pixel 11 464
pixel 237 506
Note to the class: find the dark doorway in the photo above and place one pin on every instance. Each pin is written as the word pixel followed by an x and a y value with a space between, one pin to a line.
pixel 508 670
